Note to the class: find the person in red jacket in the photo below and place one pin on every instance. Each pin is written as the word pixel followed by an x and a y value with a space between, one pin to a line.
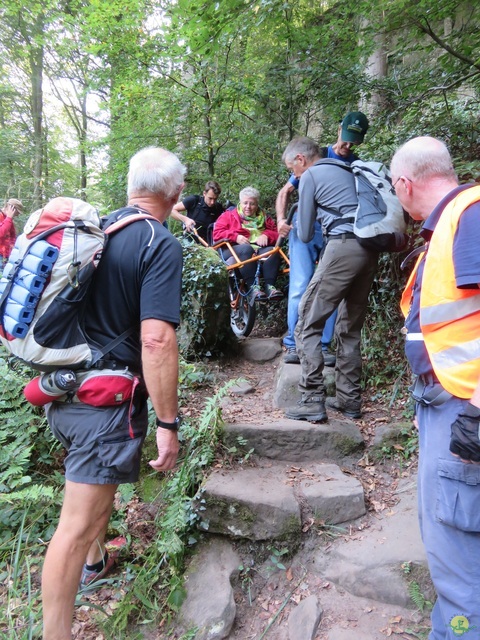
pixel 251 231
pixel 8 234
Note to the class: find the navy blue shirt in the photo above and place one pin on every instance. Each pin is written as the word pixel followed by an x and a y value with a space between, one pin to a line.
pixel 466 260
pixel 139 277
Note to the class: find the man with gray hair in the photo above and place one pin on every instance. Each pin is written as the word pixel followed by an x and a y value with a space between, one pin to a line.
pixel 441 304
pixel 343 279
pixel 137 285
pixel 12 208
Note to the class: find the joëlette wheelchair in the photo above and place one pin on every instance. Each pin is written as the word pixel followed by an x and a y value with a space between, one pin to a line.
pixel 243 311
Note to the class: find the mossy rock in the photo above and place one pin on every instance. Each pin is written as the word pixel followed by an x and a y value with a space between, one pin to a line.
pixel 205 312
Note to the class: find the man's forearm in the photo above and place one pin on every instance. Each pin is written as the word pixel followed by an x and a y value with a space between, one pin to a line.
pixel 160 367
pixel 281 203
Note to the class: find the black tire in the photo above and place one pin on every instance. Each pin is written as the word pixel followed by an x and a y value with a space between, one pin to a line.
pixel 243 317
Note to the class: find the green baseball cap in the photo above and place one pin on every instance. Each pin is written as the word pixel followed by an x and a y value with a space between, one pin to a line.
pixel 354 127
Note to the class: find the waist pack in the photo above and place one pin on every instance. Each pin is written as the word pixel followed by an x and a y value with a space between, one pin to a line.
pixel 379 222
pixel 45 284
pixel 97 388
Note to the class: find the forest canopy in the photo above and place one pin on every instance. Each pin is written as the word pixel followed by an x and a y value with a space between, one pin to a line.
pixel 225 85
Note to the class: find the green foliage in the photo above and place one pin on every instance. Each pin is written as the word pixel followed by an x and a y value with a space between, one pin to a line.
pixel 205 327
pixel 26 444
pixel 162 563
pixel 381 331
pixel 29 499
pixel 276 558
pixel 405 446
pixel 417 597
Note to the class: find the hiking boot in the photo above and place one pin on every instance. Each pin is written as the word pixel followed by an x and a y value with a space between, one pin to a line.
pixel 274 293
pixel 329 359
pixel 256 294
pixel 350 412
pixel 311 409
pixel 291 357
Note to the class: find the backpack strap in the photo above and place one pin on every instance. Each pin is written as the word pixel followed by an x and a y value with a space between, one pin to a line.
pixel 123 217
pixel 119 220
pixel 340 219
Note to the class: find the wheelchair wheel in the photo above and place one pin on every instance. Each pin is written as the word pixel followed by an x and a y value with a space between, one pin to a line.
pixel 242 314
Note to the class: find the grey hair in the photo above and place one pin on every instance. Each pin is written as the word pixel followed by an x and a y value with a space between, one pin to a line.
pixel 155 170
pixel 301 144
pixel 249 192
pixel 422 158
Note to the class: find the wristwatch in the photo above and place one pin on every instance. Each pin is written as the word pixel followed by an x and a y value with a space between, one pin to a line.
pixel 171 426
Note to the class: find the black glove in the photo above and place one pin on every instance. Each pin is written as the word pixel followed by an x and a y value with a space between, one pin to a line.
pixel 465 435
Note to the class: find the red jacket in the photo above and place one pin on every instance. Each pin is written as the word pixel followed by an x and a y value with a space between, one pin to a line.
pixel 7 236
pixel 229 226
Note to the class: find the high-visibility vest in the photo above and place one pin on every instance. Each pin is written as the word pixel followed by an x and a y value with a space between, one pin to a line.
pixel 449 316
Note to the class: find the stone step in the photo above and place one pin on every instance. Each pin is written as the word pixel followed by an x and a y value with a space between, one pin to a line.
pixel 286 393
pixel 380 563
pixel 297 440
pixel 264 503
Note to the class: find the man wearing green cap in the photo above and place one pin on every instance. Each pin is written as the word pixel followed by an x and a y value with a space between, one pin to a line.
pixel 304 256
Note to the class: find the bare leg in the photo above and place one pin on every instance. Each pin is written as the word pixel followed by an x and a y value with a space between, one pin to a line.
pixel 84 517
pixel 97 548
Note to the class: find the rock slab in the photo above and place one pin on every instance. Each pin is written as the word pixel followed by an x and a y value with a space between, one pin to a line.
pixel 210 605
pixel 264 503
pixel 286 392
pixel 255 504
pixel 333 496
pixel 298 440
pixel 261 349
pixel 304 620
pixel 374 564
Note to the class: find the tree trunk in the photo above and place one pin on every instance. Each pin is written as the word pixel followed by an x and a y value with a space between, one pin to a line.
pixel 36 54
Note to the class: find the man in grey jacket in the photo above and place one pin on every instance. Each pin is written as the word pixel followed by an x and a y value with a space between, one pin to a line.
pixel 343 278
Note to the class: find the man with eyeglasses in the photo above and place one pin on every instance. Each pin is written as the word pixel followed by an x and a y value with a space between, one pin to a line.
pixel 441 304
pixel 304 256
pixel 344 276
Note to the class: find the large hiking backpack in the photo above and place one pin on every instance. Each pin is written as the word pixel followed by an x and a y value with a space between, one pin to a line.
pixel 45 284
pixel 380 222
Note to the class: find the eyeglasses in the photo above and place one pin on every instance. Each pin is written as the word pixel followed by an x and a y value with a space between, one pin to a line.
pixel 401 178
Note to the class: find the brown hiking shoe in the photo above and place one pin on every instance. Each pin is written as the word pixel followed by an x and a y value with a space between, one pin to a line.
pixel 311 409
pixel 350 412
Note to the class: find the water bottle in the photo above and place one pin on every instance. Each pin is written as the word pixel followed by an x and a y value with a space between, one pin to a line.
pixel 50 386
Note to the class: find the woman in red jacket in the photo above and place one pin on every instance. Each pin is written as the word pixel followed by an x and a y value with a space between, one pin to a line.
pixel 251 231
pixel 12 208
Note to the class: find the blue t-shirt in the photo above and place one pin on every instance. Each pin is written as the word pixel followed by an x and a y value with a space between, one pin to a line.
pixel 466 261
pixel 349 159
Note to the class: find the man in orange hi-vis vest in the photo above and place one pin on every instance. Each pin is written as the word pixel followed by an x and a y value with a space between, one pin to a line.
pixel 441 305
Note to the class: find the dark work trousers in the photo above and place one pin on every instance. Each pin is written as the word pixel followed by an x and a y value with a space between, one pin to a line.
pixel 343 279
pixel 269 267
